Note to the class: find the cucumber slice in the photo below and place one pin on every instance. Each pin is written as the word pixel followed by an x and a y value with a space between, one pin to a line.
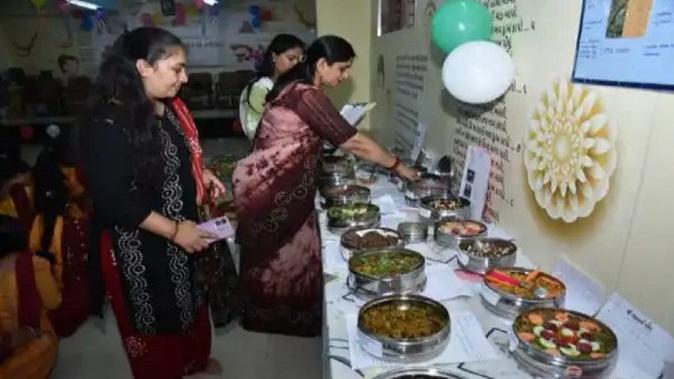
pixel 595 346
pixel 546 343
pixel 566 332
pixel 538 329
pixel 569 351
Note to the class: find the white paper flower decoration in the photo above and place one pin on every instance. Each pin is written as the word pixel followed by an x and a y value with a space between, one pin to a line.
pixel 570 151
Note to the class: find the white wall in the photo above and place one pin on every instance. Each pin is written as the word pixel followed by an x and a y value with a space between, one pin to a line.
pixel 350 19
pixel 624 243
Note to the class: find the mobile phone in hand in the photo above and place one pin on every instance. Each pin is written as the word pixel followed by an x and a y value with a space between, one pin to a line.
pixel 219 227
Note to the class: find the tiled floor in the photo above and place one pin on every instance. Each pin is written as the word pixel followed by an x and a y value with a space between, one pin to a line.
pixel 95 351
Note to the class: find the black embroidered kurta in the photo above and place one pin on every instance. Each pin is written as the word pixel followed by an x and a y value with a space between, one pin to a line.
pixel 157 275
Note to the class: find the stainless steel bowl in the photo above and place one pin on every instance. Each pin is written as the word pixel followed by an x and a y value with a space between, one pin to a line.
pixel 418 373
pixel 508 305
pixel 431 214
pixel 336 165
pixel 451 240
pixel 404 349
pixel 428 185
pixel 541 364
pixel 348 246
pixel 413 232
pixel 367 286
pixel 471 259
pixel 340 219
pixel 332 180
pixel 345 194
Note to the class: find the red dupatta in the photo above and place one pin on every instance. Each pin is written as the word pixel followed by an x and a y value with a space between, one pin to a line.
pixel 192 135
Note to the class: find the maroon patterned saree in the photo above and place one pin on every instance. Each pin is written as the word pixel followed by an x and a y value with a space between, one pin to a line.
pixel 274 189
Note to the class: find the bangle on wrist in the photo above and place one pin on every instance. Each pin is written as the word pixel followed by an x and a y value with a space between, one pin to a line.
pixel 176 225
pixel 395 164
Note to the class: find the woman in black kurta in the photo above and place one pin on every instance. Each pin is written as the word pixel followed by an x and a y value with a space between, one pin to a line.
pixel 143 165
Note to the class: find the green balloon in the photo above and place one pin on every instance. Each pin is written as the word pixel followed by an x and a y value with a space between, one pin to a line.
pixel 458 22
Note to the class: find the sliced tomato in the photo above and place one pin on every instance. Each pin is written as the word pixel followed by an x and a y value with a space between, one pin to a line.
pixel 535 319
pixel 562 316
pixel 526 337
pixel 548 334
pixel 589 325
pixel 573 325
pixel 587 336
pixel 584 347
pixel 551 326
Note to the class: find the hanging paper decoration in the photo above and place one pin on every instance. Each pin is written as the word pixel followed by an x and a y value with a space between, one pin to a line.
pixel 78 13
pixel 26 132
pixel 255 16
pixel 181 16
pixel 571 150
pixel 62 6
pixel 157 18
pixel 100 14
pixel 87 23
pixel 146 20
pixel 199 3
pixel 39 3
pixel 215 9
pixel 191 10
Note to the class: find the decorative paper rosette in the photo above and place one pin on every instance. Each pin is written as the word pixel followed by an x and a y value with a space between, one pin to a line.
pixel 570 151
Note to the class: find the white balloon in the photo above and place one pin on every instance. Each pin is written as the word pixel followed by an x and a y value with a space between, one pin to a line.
pixel 478 72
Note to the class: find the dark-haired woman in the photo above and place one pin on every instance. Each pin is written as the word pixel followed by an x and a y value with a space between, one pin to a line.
pixel 282 54
pixel 274 189
pixel 59 234
pixel 145 173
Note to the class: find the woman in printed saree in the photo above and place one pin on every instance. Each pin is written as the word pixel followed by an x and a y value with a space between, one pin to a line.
pixel 274 189
pixel 28 344
pixel 145 173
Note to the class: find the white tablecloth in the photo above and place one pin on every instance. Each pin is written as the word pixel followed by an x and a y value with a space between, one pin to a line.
pixel 339 305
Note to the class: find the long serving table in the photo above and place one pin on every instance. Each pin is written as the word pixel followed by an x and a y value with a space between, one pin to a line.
pixel 339 304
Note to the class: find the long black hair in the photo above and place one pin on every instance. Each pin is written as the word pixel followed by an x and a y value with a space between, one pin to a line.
pixel 279 45
pixel 50 196
pixel 119 83
pixel 332 48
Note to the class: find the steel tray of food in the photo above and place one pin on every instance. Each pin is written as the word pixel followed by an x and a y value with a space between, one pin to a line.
pixel 359 240
pixel 343 217
pixel 558 343
pixel 482 255
pixel 449 232
pixel 408 328
pixel 508 291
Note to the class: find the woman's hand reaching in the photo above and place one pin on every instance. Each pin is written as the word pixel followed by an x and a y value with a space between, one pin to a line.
pixel 407 173
pixel 213 184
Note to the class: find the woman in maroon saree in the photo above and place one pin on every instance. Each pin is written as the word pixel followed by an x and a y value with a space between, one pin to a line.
pixel 275 186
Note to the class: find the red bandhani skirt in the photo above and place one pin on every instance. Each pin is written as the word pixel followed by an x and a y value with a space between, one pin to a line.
pixel 166 356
